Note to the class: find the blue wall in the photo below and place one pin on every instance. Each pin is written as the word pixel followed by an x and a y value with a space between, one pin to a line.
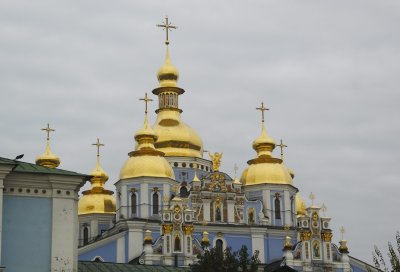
pixel 107 252
pixel 273 248
pixel 26 233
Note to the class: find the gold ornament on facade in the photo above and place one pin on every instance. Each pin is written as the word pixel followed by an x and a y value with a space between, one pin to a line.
pixel 148 238
pixel 219 234
pixel 305 235
pixel 327 236
pixel 216 160
pixel 167 228
pixel 188 229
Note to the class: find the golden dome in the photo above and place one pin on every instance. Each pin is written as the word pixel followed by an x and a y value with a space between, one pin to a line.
pixel 168 74
pixel 265 168
pixel 97 199
pixel 175 138
pixel 146 161
pixel 300 205
pixel 48 159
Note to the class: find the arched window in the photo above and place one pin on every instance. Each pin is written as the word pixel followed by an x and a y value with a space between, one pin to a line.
pixel 251 217
pixel 183 192
pixel 219 246
pixel 85 235
pixel 133 204
pixel 277 208
pixel 177 244
pixel 155 203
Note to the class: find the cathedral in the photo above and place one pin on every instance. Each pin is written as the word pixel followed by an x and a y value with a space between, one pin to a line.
pixel 171 201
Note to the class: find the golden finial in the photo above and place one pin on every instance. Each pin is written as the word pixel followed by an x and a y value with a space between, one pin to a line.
pixel 342 231
pixel 282 146
pixel 312 198
pixel 262 109
pixel 167 27
pixel 99 175
pixel 216 160
pixel 146 101
pixel 288 241
pixel 48 159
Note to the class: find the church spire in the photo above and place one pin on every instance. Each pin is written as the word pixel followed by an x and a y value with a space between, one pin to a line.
pixel 167 74
pixel 48 159
pixel 99 175
pixel 264 144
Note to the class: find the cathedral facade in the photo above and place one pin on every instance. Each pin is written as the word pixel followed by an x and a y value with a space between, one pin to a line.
pixel 171 203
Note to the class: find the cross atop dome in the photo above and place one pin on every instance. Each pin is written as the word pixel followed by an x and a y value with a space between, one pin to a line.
pixel 167 26
pixel 48 130
pixel 146 100
pixel 262 109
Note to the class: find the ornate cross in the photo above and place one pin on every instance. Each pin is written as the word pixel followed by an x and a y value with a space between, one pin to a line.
pixel 342 231
pixel 146 101
pixel 312 197
pixel 323 208
pixel 235 168
pixel 98 145
pixel 262 109
pixel 48 130
pixel 167 27
pixel 282 146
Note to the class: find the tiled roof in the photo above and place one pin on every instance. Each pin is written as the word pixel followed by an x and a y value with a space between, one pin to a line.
pixel 85 266
pixel 25 167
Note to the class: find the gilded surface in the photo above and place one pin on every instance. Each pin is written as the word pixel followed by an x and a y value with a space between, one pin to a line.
pixel 327 236
pixel 167 228
pixel 216 160
pixel 305 235
pixel 188 229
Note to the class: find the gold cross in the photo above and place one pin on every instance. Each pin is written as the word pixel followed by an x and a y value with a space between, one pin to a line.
pixel 342 231
pixel 262 109
pixel 282 146
pixel 167 26
pixel 98 145
pixel 146 101
pixel 312 197
pixel 235 168
pixel 48 130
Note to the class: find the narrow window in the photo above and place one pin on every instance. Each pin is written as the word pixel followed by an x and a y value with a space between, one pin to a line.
pixel 277 208
pixel 217 214
pixel 134 203
pixel 219 245
pixel 155 203
pixel 85 235
pixel 177 244
pixel 183 192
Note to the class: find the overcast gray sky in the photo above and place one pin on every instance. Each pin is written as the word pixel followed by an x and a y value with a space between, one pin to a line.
pixel 328 71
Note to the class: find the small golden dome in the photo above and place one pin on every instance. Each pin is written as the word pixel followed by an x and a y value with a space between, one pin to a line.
pixel 300 205
pixel 145 161
pixel 97 199
pixel 168 74
pixel 265 169
pixel 48 159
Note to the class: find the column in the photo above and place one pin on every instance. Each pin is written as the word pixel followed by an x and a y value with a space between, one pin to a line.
pixel 287 210
pixel 257 241
pixel 231 210
pixel 144 200
pixel 266 197
pixel 124 202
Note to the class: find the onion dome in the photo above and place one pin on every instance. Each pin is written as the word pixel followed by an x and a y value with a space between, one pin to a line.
pixel 146 161
pixel 48 159
pixel 265 169
pixel 97 199
pixel 168 74
pixel 175 138
pixel 300 205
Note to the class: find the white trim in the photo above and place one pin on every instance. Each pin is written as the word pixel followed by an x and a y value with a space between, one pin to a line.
pixel 98 257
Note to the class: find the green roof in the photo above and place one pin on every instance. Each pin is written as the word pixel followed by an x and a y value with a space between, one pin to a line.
pixel 25 167
pixel 86 266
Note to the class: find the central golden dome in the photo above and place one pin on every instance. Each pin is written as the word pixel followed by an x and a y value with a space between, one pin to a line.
pixel 175 138
pixel 265 169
